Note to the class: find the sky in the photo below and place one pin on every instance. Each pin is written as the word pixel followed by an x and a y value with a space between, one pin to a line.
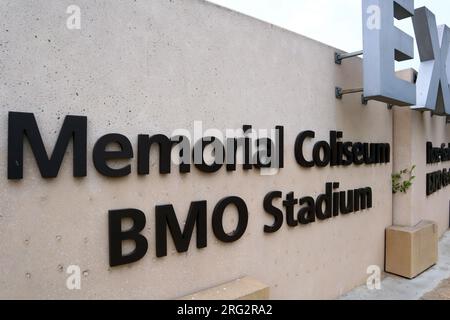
pixel 335 22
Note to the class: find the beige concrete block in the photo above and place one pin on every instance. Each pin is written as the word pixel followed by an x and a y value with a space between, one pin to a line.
pixel 240 289
pixel 411 250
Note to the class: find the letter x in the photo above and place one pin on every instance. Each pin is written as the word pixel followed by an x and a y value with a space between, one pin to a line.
pixel 433 92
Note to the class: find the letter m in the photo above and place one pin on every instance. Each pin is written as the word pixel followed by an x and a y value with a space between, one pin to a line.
pixel 21 125
pixel 166 218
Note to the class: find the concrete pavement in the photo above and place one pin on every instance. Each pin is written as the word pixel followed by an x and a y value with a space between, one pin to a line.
pixel 433 284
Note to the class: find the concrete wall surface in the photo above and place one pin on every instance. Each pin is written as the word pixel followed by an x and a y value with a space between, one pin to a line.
pixel 412 131
pixel 148 67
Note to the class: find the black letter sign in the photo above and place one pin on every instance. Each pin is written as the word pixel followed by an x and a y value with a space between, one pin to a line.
pixel 217 219
pixel 117 236
pixel 166 217
pixel 101 156
pixel 22 125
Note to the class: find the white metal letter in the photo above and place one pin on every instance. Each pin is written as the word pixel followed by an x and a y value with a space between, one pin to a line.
pixel 383 45
pixel 433 92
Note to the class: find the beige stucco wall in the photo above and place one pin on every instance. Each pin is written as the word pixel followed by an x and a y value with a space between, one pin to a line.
pixel 152 67
pixel 412 130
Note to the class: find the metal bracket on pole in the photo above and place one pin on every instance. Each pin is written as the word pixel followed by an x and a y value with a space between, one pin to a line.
pixel 338 57
pixel 364 100
pixel 339 93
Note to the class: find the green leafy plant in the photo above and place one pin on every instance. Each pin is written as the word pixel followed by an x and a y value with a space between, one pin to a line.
pixel 401 184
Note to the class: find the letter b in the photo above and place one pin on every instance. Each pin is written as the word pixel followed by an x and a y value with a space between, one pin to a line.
pixel 117 236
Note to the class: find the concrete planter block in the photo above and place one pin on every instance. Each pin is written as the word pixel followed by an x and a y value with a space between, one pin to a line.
pixel 411 250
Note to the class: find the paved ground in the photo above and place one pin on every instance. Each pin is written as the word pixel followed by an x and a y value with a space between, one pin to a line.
pixel 442 292
pixel 434 284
